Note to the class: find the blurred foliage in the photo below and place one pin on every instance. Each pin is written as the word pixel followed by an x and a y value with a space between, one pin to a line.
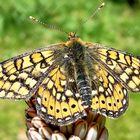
pixel 116 25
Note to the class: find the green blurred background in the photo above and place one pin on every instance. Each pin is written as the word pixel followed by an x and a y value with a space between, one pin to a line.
pixel 116 25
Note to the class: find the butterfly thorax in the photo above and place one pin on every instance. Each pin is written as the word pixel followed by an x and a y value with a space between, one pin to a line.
pixel 77 51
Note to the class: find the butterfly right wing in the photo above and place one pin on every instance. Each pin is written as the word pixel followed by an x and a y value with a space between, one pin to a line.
pixel 21 75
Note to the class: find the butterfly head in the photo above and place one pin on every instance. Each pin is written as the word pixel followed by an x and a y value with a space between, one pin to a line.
pixel 72 36
pixel 72 39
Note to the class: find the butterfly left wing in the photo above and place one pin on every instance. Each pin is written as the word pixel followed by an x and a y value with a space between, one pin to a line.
pixel 57 99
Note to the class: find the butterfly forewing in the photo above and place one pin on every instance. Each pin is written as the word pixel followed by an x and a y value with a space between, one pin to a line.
pixel 124 67
pixel 21 75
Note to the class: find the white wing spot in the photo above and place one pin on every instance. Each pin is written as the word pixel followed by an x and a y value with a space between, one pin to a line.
pixel 125 92
pixel 43 109
pixel 94 92
pixel 66 56
pixel 39 100
pixel 101 89
pixel 124 102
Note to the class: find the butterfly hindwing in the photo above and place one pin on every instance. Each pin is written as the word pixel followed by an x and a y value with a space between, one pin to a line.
pixel 109 97
pixel 56 98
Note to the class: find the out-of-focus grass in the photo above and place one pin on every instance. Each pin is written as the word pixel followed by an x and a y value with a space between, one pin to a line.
pixel 116 25
pixel 12 120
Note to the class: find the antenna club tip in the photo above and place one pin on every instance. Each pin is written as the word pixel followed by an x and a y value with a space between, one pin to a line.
pixel 31 17
pixel 103 4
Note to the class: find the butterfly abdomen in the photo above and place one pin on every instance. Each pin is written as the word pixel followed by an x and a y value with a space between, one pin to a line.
pixel 81 75
pixel 83 86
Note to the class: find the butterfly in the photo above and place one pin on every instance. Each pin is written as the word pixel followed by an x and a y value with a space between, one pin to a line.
pixel 70 77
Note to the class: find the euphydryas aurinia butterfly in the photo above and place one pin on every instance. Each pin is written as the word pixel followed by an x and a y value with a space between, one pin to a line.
pixel 67 78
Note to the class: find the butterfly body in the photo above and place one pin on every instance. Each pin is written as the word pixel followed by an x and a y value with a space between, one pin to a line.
pixel 77 57
pixel 69 77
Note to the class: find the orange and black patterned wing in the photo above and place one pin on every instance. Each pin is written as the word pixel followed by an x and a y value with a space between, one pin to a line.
pixel 124 67
pixel 58 100
pixel 21 76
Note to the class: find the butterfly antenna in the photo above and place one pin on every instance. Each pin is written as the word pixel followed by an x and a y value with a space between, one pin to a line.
pixel 92 15
pixel 49 26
